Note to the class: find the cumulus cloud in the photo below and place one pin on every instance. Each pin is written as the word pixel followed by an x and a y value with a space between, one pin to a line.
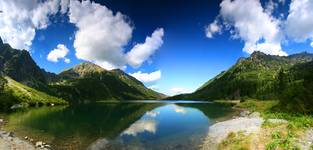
pixel 248 21
pixel 311 44
pixel 299 24
pixel 141 52
pixel 271 6
pixel 212 28
pixel 141 126
pixel 59 53
pixel 64 6
pixel 20 19
pixel 102 36
pixel 147 77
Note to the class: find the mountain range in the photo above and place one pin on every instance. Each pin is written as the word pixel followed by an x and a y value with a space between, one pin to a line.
pixel 263 77
pixel 22 81
pixel 259 76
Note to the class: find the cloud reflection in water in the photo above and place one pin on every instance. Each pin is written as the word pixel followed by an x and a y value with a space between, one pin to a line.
pixel 141 126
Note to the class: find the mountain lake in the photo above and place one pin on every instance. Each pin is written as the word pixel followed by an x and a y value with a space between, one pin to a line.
pixel 125 125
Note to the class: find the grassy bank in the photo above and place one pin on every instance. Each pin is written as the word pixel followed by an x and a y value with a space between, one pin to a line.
pixel 272 109
pixel 16 93
pixel 289 133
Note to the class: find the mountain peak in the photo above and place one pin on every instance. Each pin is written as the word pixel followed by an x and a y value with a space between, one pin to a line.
pixel 88 66
pixel 81 70
pixel 257 53
pixel 1 42
pixel 118 71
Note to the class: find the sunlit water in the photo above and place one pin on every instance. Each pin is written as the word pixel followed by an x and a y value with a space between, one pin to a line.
pixel 131 125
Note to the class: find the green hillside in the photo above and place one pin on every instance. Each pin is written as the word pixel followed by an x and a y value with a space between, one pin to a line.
pixel 19 65
pixel 295 87
pixel 252 77
pixel 89 82
pixel 84 82
pixel 12 92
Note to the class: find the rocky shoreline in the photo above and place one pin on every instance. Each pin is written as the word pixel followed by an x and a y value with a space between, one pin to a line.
pixel 8 141
pixel 249 124
pixel 246 122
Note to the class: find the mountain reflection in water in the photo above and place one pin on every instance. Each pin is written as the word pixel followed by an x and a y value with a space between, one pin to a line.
pixel 119 125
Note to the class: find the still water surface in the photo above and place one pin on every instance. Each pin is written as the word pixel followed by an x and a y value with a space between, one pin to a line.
pixel 131 125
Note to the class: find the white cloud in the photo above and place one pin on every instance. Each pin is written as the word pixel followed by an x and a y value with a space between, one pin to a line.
pixel 141 52
pixel 147 77
pixel 102 36
pixel 178 90
pixel 59 53
pixel 20 19
pixel 152 114
pixel 179 109
pixel 248 21
pixel 271 6
pixel 299 24
pixel 267 48
pixel 64 6
pixel 311 44
pixel 67 60
pixel 212 28
pixel 141 126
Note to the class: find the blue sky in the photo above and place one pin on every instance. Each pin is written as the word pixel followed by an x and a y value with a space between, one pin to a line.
pixel 190 41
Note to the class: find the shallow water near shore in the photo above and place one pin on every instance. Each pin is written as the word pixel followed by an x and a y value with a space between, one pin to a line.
pixel 131 125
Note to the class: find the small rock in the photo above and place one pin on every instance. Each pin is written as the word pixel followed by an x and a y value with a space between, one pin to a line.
pixel 2 133
pixel 25 137
pixel 11 134
pixel 255 115
pixel 39 144
pixel 244 113
pixel 31 140
pixel 16 106
pixel 1 120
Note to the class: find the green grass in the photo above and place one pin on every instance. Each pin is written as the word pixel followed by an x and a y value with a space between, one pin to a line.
pixel 273 109
pixel 17 93
pixel 273 136
pixel 258 105
pixel 281 141
pixel 236 141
